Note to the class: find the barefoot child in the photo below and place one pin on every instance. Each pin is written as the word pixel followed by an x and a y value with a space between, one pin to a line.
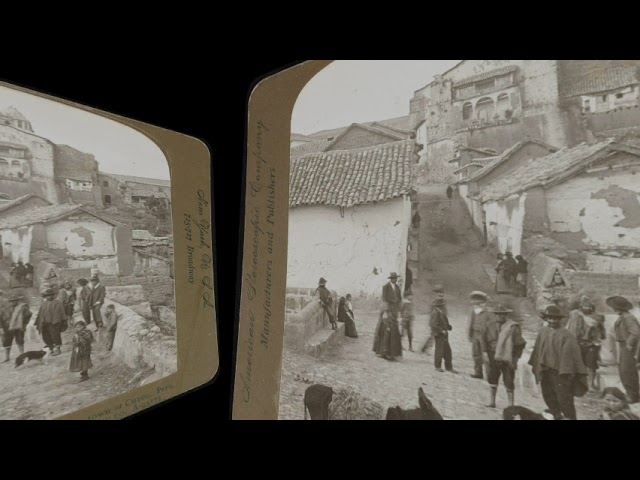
pixel 81 353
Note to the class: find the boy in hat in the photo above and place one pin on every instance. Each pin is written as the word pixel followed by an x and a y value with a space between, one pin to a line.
pixel 439 292
pixel 14 323
pixel 50 320
pixel 98 294
pixel 475 330
pixel 326 300
pixel 440 328
pixel 557 365
pixel 502 347
pixel 588 328
pixel 627 331
pixel 392 296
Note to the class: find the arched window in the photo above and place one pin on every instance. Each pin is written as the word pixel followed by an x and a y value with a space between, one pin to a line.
pixel 503 104
pixel 467 111
pixel 107 199
pixel 105 183
pixel 485 109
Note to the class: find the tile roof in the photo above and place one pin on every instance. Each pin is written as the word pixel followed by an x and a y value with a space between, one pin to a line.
pixel 310 147
pixel 391 134
pixel 603 80
pixel 6 205
pixel 506 155
pixel 551 169
pixel 140 180
pixel 485 75
pixel 390 129
pixel 74 164
pixel 38 215
pixel 352 177
pixel 402 123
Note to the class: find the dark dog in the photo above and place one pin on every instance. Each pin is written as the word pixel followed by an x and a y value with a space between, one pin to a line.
pixel 41 355
pixel 522 413
pixel 426 411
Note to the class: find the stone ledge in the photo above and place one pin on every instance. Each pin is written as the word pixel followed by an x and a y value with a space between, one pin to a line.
pixel 323 340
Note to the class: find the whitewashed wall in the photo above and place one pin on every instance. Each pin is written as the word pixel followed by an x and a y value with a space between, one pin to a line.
pixel 572 209
pixel 16 244
pixel 346 251
pixel 65 235
pixel 509 219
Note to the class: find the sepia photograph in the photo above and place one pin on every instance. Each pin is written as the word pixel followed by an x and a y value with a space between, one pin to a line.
pixel 463 242
pixel 87 303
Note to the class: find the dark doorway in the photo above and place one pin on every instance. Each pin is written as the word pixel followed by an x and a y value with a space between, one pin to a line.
pixel 107 199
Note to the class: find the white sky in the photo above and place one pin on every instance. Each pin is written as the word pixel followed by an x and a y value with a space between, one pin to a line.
pixel 360 91
pixel 118 149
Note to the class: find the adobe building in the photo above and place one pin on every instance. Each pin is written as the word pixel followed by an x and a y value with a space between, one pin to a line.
pixel 349 217
pixel 134 191
pixel 78 238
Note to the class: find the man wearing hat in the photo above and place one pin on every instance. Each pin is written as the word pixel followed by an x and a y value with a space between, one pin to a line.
pixel 50 320
pixel 14 323
pixel 392 296
pixel 476 327
pixel 502 347
pixel 440 328
pixel 557 365
pixel 588 328
pixel 326 300
pixel 439 291
pixel 98 294
pixel 627 330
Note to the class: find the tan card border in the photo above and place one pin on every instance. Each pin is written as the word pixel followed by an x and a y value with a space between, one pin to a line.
pixel 264 274
pixel 190 166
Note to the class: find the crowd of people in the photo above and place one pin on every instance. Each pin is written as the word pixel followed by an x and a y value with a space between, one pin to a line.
pixel 565 356
pixel 56 315
pixel 511 274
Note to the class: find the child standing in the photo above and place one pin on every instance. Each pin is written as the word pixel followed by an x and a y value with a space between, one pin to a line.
pixel 112 325
pixel 81 353
pixel 408 317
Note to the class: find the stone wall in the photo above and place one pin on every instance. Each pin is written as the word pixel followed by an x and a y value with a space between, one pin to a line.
pixel 158 289
pixel 141 344
pixel 304 317
pixel 605 283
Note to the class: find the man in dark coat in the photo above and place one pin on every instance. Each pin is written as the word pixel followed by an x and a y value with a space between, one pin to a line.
pixel 557 365
pixel 627 331
pixel 392 296
pixel 98 294
pixel 510 270
pixel 50 320
pixel 440 328
pixel 475 330
pixel 326 300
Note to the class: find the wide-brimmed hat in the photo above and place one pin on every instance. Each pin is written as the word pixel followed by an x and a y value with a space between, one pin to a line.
pixel 322 281
pixel 438 288
pixel 48 292
pixel 501 309
pixel 478 295
pixel 509 254
pixel 619 303
pixel 394 275
pixel 80 322
pixel 552 312
pixel 83 281
pixel 439 302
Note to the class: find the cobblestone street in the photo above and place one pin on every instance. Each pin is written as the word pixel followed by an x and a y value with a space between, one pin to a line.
pixel 459 263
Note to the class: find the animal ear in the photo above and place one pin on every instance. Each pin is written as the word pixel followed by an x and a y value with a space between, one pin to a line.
pixel 423 401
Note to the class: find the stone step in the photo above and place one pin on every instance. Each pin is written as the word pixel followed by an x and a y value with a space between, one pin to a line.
pixel 323 340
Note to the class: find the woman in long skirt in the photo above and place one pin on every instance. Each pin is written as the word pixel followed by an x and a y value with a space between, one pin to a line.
pixel 387 341
pixel 345 316
pixel 81 353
